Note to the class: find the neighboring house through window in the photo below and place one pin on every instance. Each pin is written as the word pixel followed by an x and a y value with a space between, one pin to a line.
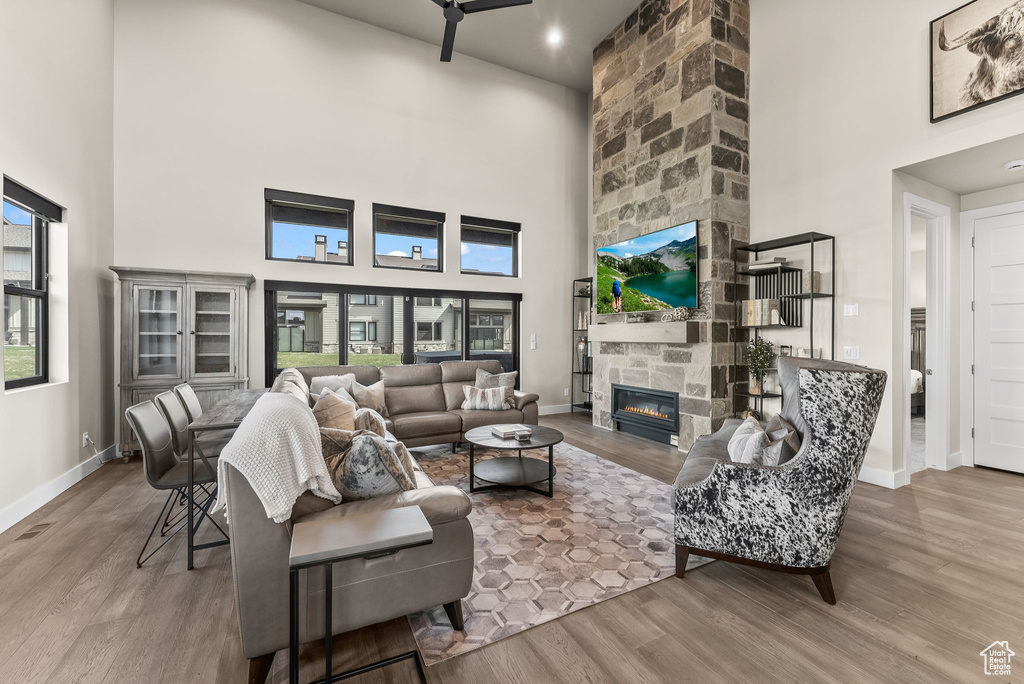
pixel 407 238
pixel 489 247
pixel 308 228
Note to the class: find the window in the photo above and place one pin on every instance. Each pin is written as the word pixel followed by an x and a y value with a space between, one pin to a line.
pixel 407 326
pixel 490 247
pixel 26 221
pixel 307 329
pixel 308 228
pixel 407 238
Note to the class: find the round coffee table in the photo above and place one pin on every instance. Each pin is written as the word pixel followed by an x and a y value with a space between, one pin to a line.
pixel 513 471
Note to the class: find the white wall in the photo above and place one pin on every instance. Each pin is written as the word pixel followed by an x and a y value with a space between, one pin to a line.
pixel 56 65
pixel 216 100
pixel 839 98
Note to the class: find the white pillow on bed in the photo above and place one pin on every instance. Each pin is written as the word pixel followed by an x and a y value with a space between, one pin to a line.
pixel 916 381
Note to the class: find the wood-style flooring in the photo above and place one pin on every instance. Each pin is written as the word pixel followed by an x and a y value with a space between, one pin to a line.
pixel 926 576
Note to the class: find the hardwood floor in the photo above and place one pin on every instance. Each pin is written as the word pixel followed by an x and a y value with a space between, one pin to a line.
pixel 926 576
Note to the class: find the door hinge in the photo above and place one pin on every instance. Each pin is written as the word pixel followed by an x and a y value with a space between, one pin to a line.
pixel 972 305
pixel 972 241
pixel 972 433
pixel 972 369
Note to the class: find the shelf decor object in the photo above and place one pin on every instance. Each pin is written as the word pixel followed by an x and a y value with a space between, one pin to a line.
pixel 176 327
pixel 773 293
pixel 581 378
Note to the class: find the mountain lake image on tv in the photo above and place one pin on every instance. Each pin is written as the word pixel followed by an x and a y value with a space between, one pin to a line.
pixel 649 273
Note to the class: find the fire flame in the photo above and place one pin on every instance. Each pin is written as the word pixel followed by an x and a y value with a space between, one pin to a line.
pixel 645 411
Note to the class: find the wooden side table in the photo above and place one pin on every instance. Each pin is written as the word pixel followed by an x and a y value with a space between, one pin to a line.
pixel 326 542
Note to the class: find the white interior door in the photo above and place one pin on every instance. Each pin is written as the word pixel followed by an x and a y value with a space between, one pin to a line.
pixel 999 341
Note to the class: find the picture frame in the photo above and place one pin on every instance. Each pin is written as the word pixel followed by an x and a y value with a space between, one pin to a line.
pixel 973 58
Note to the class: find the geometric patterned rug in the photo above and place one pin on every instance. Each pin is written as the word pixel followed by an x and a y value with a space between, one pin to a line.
pixel 606 531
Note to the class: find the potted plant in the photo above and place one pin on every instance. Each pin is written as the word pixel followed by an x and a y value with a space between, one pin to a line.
pixel 759 359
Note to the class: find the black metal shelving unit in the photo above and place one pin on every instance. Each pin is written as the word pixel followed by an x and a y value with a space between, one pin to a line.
pixel 785 283
pixel 581 380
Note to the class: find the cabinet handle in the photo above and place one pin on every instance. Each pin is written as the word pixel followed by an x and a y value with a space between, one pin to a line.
pixel 179 332
pixel 191 332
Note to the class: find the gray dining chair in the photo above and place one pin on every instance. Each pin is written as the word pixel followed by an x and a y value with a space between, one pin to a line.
pixel 164 471
pixel 190 400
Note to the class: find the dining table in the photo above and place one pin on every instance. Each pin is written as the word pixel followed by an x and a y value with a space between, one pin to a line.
pixel 226 415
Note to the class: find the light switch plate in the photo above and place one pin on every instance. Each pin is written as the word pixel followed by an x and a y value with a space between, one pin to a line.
pixel 851 309
pixel 851 353
pixel 533 340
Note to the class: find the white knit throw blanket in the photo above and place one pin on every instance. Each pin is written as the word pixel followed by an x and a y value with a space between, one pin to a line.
pixel 277 449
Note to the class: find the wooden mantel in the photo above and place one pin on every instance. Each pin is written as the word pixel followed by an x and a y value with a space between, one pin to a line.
pixel 673 332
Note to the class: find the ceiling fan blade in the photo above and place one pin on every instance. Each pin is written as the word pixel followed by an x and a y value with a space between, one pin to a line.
pixel 440 3
pixel 481 5
pixel 448 44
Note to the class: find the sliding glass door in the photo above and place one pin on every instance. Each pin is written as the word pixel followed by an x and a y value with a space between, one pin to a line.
pixel 330 325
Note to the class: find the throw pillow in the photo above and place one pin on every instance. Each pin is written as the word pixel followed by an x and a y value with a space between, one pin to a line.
pixel 783 441
pixel 748 442
pixel 492 399
pixel 333 411
pixel 368 419
pixel 485 380
pixel 290 381
pixel 363 465
pixel 371 397
pixel 332 382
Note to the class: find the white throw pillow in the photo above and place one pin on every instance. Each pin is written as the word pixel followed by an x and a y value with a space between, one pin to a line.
pixel 748 443
pixel 491 399
pixel 333 383
pixel 486 380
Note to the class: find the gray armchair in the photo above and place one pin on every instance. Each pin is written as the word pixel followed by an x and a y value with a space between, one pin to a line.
pixel 786 517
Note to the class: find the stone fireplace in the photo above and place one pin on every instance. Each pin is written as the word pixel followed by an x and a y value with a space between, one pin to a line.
pixel 670 146
pixel 653 414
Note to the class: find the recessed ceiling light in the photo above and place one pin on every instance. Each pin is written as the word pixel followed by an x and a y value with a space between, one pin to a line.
pixel 554 36
pixel 1015 165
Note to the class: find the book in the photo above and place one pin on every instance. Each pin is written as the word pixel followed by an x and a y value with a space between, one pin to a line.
pixel 510 431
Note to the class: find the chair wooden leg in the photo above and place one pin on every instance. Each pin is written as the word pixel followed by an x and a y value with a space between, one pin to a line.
pixel 259 668
pixel 682 555
pixel 454 610
pixel 823 581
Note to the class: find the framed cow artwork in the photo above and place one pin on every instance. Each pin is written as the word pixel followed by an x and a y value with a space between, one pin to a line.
pixel 977 56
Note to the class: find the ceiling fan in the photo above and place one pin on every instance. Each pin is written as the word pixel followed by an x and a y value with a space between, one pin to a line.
pixel 455 11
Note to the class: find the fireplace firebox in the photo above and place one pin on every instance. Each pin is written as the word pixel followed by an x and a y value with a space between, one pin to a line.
pixel 649 413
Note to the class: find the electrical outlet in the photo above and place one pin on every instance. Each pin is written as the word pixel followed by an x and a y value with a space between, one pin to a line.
pixel 851 353
pixel 565 393
pixel 85 439
pixel 851 309
pixel 533 340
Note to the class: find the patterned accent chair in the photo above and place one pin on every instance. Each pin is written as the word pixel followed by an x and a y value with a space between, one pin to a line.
pixel 785 517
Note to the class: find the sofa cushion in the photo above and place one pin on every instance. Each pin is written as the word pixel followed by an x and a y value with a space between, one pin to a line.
pixel 507 381
pixel 412 389
pixel 440 505
pixel 332 382
pixel 490 399
pixel 333 411
pixel 701 460
pixel 475 419
pixel 426 423
pixel 371 397
pixel 364 465
pixel 366 375
pixel 464 372
pixel 412 375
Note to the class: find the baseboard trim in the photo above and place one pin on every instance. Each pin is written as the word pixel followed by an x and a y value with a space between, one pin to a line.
pixel 955 460
pixel 554 409
pixel 36 499
pixel 884 478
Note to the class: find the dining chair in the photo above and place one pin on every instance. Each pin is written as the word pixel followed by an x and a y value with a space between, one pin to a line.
pixel 190 400
pixel 164 471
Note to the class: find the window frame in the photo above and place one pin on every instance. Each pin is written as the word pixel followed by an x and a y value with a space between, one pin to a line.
pixel 493 225
pixel 43 212
pixel 272 288
pixel 351 326
pixel 306 201
pixel 389 210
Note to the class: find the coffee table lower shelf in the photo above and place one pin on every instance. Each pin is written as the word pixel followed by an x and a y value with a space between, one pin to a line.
pixel 513 471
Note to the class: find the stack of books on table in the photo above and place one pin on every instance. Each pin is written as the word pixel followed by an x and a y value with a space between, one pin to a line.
pixel 520 432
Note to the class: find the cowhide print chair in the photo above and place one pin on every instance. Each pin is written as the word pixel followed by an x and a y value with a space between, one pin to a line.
pixel 786 517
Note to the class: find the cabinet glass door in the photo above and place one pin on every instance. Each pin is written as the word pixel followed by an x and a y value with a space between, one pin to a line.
pixel 158 332
pixel 213 344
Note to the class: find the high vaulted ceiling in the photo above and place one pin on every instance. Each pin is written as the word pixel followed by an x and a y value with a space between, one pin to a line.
pixel 515 37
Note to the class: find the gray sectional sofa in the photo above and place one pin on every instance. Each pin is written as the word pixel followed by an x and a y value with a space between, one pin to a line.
pixel 425 401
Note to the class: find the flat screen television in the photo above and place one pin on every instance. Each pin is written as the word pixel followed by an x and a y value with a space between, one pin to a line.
pixel 650 273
